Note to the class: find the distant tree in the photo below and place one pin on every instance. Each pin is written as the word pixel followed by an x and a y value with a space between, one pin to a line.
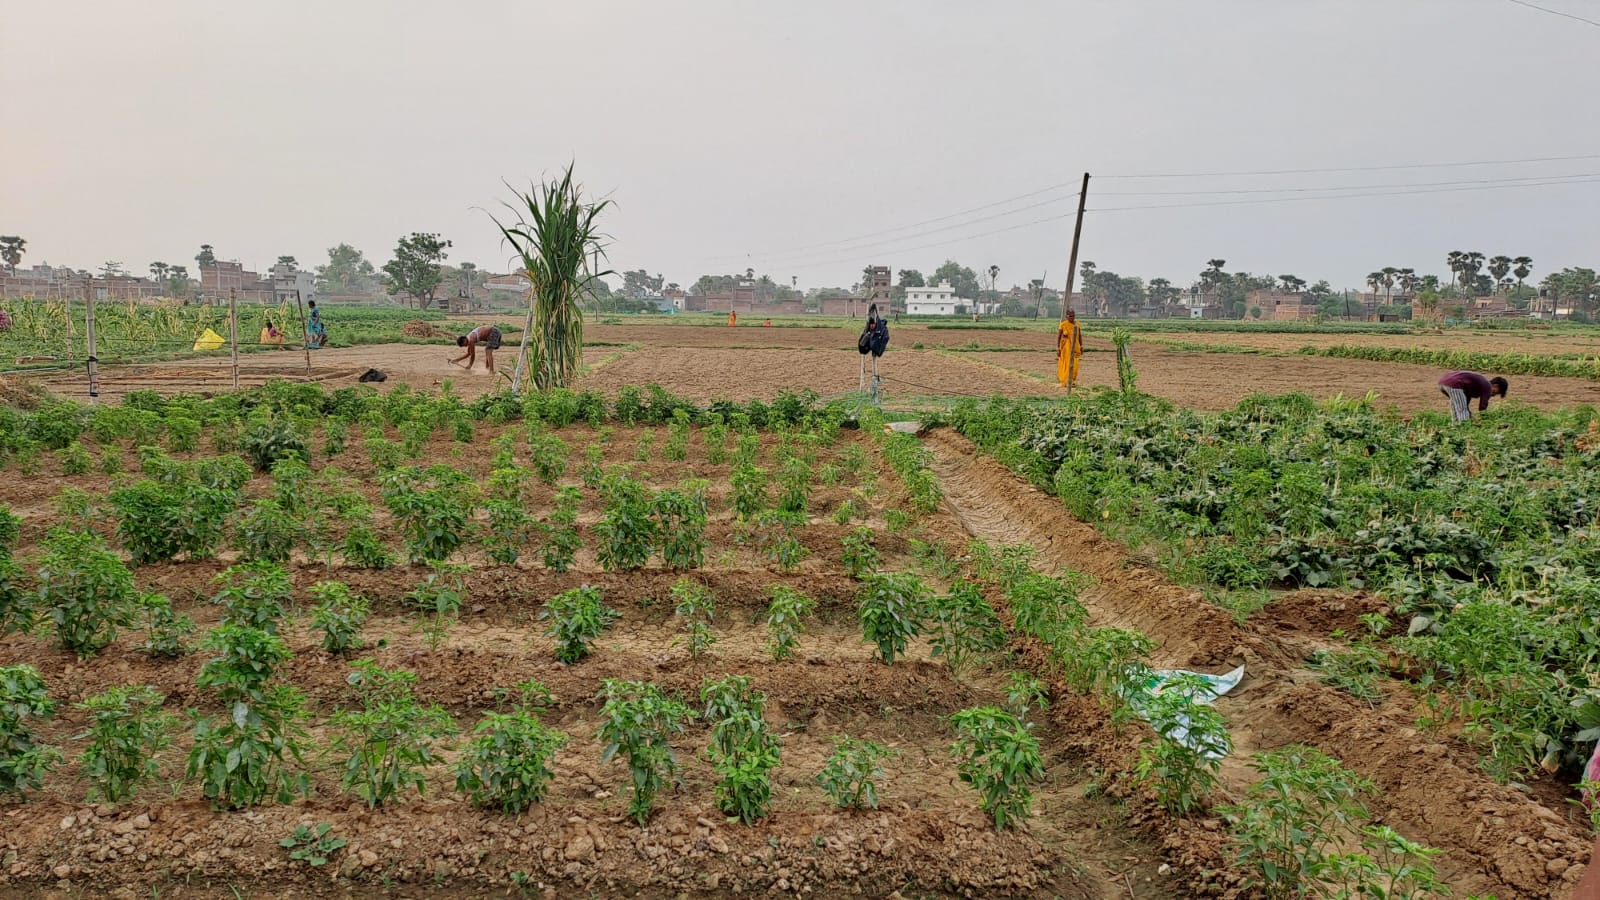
pixel 347 272
pixel 994 275
pixel 289 261
pixel 749 273
pixel 1471 264
pixel 1375 281
pixel 1524 267
pixel 910 278
pixel 963 279
pixel 1499 268
pixel 1408 280
pixel 1161 292
pixel 111 269
pixel 1255 312
pixel 1292 283
pixel 640 283
pixel 158 271
pixel 179 284
pixel 206 258
pixel 11 249
pixel 1390 274
pixel 414 271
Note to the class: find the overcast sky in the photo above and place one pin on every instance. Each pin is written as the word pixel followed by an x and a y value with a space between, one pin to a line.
pixel 767 134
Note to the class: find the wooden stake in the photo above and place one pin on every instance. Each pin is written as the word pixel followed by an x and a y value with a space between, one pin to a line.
pixel 306 343
pixel 93 358
pixel 233 332
pixel 522 351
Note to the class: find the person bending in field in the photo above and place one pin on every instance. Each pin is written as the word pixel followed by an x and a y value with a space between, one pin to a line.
pixel 270 334
pixel 1464 387
pixel 316 332
pixel 488 336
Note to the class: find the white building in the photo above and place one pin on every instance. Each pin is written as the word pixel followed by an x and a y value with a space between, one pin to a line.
pixel 935 300
pixel 286 280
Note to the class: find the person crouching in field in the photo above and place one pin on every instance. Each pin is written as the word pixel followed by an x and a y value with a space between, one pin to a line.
pixel 488 336
pixel 1464 387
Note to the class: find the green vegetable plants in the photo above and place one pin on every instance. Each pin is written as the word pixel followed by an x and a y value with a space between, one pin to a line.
pixel 23 761
pixel 644 450
pixel 679 521
pixel 997 754
pixel 84 591
pixel 794 490
pixel 254 594
pixel 267 533
pixel 850 776
pixel 787 610
pixel 158 520
pixel 165 629
pixel 859 556
pixel 561 540
pixel 1182 762
pixel 964 626
pixel 1025 693
pixel 508 763
pixel 1304 804
pixel 626 532
pixel 251 755
pixel 510 524
pixel 639 721
pixel 548 456
pixel 439 596
pixel 677 446
pixel 432 507
pixel 577 618
pixel 75 460
pixel 890 609
pixel 743 749
pixel 694 604
pixel 749 491
pixel 338 616
pixel 313 846
pixel 127 729
pixel 1388 865
pixel 390 738
pixel 267 442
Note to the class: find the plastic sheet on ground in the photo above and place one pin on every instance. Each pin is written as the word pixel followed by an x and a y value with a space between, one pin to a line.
pixel 1220 684
pixel 209 340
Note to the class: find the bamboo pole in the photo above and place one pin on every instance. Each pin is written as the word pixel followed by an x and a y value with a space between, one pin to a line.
pixel 522 351
pixel 305 344
pixel 93 360
pixel 233 332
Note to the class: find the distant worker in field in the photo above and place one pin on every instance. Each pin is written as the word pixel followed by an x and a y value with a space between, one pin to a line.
pixel 316 332
pixel 487 335
pixel 1069 349
pixel 873 341
pixel 1464 387
pixel 270 334
pixel 733 318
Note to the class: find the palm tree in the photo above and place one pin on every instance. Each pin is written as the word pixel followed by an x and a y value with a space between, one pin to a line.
pixel 158 271
pixel 1471 262
pixel 11 249
pixel 1453 259
pixel 560 247
pixel 206 256
pixel 1408 281
pixel 994 273
pixel 1500 267
pixel 1524 267
pixel 1389 274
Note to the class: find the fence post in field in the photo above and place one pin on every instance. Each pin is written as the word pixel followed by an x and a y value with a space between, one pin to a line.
pixel 233 332
pixel 522 352
pixel 92 361
pixel 305 342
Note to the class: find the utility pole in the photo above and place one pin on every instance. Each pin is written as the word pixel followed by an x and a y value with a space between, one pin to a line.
pixel 233 332
pixel 1072 271
pixel 93 361
pixel 1077 235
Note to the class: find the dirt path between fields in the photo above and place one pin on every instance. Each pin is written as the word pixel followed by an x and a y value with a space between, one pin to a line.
pixel 1495 839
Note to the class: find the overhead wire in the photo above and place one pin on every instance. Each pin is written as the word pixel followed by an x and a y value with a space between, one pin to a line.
pixel 1556 12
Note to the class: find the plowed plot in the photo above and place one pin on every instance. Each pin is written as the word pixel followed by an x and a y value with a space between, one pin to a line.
pixel 1216 381
pixel 706 374
pixel 927 836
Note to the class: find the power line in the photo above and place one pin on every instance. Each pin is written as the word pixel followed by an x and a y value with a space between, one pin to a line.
pixel 871 234
pixel 1348 187
pixel 1384 168
pixel 1485 187
pixel 1556 12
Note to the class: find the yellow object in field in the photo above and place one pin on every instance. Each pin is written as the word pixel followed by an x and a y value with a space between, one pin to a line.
pixel 209 340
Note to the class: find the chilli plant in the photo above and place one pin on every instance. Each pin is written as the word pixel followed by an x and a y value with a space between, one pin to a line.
pixel 23 761
pixel 507 764
pixel 577 617
pixel 559 243
pixel 391 738
pixel 639 721
pixel 890 608
pixel 850 776
pixel 127 728
pixel 998 755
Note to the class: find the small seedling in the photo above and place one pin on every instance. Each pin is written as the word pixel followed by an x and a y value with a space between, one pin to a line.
pixel 312 846
pixel 851 775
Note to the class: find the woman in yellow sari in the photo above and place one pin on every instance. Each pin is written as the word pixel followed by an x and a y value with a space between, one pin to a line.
pixel 1069 349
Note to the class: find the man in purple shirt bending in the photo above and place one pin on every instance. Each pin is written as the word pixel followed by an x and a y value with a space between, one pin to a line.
pixel 1464 387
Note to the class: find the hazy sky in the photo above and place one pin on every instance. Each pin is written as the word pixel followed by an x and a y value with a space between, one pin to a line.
pixel 747 132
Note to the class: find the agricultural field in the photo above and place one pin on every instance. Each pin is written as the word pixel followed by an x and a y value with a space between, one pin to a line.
pixel 326 638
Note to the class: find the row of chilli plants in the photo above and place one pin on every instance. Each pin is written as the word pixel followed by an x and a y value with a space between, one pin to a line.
pixel 1482 537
